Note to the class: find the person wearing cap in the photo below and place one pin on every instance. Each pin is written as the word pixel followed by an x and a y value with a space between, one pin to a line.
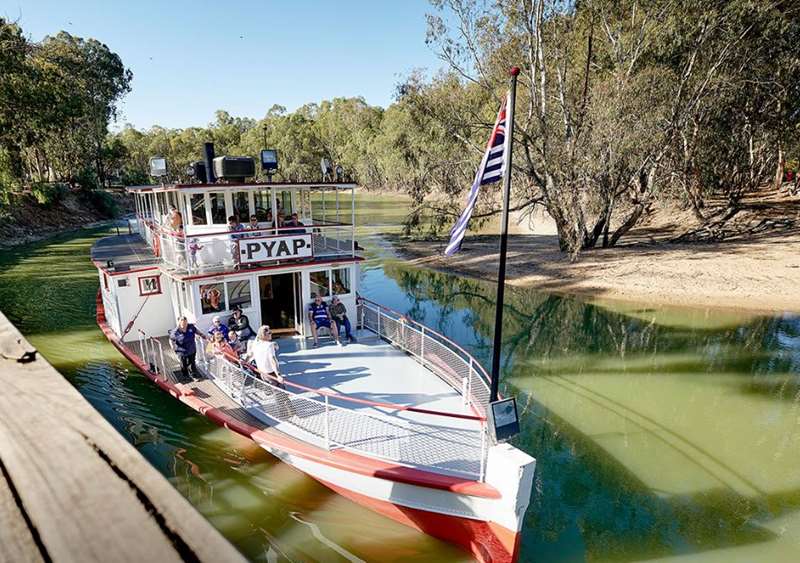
pixel 218 326
pixel 183 343
pixel 339 315
pixel 320 317
pixel 239 322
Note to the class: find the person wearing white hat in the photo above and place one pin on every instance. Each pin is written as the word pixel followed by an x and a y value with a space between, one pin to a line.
pixel 218 326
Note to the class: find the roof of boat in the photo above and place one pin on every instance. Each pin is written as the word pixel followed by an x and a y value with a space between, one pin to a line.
pixel 128 252
pixel 241 186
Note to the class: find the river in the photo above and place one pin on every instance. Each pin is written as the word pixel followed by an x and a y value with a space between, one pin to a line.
pixel 659 433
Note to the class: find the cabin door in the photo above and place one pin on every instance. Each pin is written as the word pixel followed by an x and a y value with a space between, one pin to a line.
pixel 278 294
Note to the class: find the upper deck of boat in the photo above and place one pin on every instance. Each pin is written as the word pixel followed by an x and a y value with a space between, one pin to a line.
pixel 372 371
pixel 128 252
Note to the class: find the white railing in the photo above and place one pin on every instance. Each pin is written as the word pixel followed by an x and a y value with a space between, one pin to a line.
pixel 443 442
pixel 320 418
pixel 440 355
pixel 152 352
pixel 213 251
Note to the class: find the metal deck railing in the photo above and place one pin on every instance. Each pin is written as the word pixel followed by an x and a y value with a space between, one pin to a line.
pixel 193 253
pixel 428 439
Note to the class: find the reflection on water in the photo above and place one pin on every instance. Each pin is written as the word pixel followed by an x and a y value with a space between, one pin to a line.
pixel 658 432
pixel 655 436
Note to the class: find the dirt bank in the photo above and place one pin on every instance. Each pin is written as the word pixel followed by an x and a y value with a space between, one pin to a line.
pixel 24 220
pixel 756 268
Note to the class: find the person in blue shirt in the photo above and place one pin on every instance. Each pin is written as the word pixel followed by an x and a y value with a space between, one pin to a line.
pixel 183 343
pixel 320 317
pixel 218 326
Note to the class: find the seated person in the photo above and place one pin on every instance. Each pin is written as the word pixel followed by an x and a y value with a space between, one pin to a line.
pixel 253 225
pixel 320 317
pixel 237 344
pixel 218 326
pixel 241 324
pixel 219 346
pixel 339 315
pixel 295 224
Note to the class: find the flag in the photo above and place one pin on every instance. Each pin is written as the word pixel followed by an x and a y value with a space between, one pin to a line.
pixel 491 170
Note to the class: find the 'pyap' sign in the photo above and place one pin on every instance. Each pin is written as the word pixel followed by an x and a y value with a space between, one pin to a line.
pixel 263 249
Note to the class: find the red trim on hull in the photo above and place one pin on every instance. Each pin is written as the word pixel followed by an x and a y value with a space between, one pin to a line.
pixel 487 541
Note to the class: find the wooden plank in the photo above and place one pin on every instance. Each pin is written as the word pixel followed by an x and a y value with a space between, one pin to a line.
pixel 72 489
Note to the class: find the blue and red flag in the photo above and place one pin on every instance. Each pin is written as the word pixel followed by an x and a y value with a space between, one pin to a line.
pixel 491 170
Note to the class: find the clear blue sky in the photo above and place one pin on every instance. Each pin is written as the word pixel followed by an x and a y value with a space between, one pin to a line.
pixel 191 58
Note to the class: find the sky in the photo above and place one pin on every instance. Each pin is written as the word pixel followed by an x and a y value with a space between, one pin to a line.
pixel 190 59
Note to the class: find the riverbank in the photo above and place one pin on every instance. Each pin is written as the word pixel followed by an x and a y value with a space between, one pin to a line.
pixel 759 275
pixel 25 220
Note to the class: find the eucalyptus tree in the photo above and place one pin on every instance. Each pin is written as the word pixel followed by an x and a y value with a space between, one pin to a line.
pixel 609 90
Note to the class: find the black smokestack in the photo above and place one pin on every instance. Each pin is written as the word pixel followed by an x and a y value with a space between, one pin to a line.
pixel 208 151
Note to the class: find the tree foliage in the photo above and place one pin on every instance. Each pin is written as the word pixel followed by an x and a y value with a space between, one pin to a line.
pixel 57 99
pixel 622 103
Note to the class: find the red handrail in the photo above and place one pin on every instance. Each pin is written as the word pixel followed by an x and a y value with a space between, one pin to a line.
pixel 159 228
pixel 347 398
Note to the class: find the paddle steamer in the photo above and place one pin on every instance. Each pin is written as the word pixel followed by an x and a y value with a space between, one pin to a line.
pixel 396 422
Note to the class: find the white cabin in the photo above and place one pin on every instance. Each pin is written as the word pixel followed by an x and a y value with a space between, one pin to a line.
pixel 270 268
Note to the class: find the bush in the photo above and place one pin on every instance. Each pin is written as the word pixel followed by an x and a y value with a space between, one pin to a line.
pixel 103 202
pixel 48 194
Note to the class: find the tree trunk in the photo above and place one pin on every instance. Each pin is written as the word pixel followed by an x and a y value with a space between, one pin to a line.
pixel 779 167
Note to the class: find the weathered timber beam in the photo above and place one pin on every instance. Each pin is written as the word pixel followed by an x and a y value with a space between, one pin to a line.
pixel 72 488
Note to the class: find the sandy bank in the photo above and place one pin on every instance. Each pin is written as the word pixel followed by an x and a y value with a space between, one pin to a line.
pixel 758 275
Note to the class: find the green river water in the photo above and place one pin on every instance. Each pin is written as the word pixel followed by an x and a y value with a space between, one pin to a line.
pixel 659 433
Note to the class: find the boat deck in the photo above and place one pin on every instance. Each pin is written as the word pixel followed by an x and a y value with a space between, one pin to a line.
pixel 129 252
pixel 371 370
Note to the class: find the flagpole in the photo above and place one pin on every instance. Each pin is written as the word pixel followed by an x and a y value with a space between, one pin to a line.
pixel 501 271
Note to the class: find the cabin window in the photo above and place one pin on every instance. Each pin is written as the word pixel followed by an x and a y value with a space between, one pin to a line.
pixel 341 281
pixel 105 281
pixel 198 203
pixel 284 202
pixel 161 200
pixel 216 202
pixel 241 206
pixel 320 283
pixel 212 298
pixel 239 294
pixel 263 203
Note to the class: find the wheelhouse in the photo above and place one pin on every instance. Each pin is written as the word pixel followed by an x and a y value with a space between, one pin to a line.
pixel 202 265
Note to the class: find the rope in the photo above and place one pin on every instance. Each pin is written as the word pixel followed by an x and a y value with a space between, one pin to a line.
pixel 136 316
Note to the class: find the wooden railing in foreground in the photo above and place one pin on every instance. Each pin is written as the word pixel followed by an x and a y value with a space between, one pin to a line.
pixel 71 488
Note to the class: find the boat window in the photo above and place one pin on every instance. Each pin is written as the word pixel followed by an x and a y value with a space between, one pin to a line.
pixel 241 206
pixel 284 201
pixel 341 281
pixel 161 199
pixel 198 204
pixel 217 204
pixel 212 298
pixel 320 283
pixel 263 203
pixel 239 294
